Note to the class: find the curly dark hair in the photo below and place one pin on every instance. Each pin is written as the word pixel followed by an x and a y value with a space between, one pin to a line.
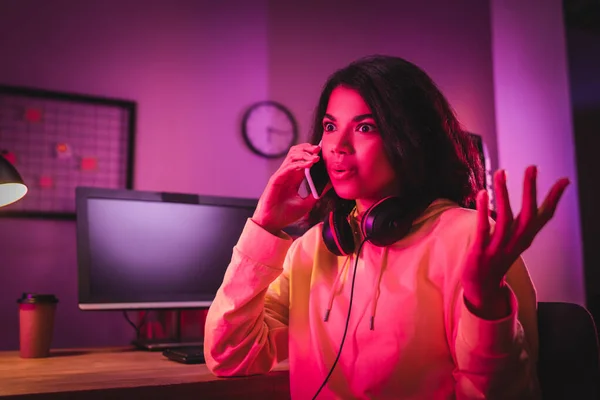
pixel 432 156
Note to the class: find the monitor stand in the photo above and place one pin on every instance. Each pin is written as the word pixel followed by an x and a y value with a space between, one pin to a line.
pixel 168 343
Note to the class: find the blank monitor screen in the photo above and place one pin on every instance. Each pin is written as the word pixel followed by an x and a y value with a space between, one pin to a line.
pixel 150 250
pixel 487 167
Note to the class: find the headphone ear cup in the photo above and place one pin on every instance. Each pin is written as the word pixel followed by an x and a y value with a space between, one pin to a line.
pixel 337 234
pixel 387 222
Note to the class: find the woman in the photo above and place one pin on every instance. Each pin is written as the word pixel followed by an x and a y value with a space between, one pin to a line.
pixel 432 304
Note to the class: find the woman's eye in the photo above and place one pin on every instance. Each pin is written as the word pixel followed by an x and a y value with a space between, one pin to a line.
pixel 365 128
pixel 328 127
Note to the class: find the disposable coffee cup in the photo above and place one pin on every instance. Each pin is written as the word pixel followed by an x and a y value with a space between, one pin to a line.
pixel 36 324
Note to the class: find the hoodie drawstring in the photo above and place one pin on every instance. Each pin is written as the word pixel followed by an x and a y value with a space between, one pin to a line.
pixel 435 208
pixel 335 286
pixel 377 288
pixel 376 285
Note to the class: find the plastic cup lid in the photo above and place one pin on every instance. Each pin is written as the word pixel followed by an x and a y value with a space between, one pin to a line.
pixel 31 298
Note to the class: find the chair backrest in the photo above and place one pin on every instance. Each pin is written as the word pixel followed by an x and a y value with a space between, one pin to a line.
pixel 569 357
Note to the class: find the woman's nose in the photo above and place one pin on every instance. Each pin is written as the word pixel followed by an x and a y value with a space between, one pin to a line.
pixel 342 144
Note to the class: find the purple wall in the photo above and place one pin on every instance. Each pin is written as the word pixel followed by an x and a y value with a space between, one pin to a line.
pixel 534 126
pixel 191 74
pixel 193 70
pixel 450 40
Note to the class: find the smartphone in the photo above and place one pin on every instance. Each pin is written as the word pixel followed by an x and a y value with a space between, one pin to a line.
pixel 186 355
pixel 317 177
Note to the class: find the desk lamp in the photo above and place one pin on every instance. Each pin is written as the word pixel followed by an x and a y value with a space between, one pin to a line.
pixel 12 187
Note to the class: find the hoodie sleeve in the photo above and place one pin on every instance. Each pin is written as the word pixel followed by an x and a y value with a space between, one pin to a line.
pixel 246 330
pixel 496 359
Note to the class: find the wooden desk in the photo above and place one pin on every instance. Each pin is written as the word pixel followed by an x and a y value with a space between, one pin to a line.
pixel 124 373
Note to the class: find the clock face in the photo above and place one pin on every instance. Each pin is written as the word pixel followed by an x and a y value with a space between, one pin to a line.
pixel 269 129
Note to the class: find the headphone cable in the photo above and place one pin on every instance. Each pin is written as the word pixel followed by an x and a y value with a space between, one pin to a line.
pixel 347 321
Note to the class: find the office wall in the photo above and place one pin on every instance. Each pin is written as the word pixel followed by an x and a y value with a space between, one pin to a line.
pixel 534 126
pixel 193 68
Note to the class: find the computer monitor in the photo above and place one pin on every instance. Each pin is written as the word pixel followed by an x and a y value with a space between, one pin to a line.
pixel 153 250
pixel 486 163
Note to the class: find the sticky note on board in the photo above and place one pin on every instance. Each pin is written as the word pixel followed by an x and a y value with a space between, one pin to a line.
pixel 10 157
pixel 63 151
pixel 89 164
pixel 46 182
pixel 33 114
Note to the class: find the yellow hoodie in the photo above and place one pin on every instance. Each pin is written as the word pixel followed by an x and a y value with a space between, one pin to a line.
pixel 410 335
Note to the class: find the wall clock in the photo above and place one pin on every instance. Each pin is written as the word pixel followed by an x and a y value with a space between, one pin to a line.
pixel 269 129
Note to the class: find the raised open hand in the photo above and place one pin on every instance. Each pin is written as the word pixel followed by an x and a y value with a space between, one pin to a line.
pixel 493 253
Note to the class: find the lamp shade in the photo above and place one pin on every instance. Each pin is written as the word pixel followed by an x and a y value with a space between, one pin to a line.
pixel 12 187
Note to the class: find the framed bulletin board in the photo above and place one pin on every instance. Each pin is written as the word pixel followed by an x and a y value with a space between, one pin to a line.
pixel 58 141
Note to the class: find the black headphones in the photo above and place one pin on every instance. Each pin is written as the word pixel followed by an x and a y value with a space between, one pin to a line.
pixel 383 224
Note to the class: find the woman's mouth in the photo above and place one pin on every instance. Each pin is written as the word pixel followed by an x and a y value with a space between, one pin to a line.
pixel 342 173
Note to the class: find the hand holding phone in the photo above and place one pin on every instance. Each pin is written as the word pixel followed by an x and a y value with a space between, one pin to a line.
pixel 281 204
pixel 317 177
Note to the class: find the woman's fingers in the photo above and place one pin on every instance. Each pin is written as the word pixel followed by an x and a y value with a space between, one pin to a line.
pixel 291 172
pixel 504 220
pixel 299 165
pixel 302 149
pixel 510 238
pixel 482 235
pixel 529 206
pixel 299 157
pixel 548 207
pixel 303 157
pixel 525 227
pixel 302 152
pixel 531 220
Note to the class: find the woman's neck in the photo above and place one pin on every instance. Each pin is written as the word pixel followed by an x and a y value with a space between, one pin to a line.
pixel 362 205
